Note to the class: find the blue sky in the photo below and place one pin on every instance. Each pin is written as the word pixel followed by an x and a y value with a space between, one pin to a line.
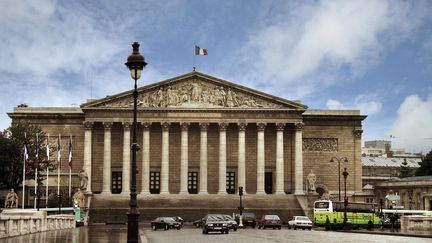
pixel 375 56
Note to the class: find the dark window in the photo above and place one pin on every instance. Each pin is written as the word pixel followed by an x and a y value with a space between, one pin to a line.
pixel 193 182
pixel 116 182
pixel 154 182
pixel 230 182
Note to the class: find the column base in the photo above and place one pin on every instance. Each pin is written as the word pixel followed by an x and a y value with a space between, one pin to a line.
pixel 279 192
pixel 222 193
pixel 106 193
pixel 125 193
pixel 144 193
pixel 299 193
pixel 164 193
pixel 183 192
pixel 260 193
pixel 203 192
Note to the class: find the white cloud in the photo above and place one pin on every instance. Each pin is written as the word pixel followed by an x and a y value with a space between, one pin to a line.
pixel 413 126
pixel 368 104
pixel 334 104
pixel 327 42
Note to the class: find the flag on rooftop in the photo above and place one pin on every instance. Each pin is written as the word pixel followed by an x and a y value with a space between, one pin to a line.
pixel 200 51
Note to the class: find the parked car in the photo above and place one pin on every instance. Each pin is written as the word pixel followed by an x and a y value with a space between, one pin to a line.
pixel 178 219
pixel 232 224
pixel 215 222
pixel 249 219
pixel 270 221
pixel 198 223
pixel 165 223
pixel 302 222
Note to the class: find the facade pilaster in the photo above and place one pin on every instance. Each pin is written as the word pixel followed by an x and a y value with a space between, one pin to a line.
pixel 260 158
pixel 106 179
pixel 222 158
pixel 184 158
pixel 279 159
pixel 146 159
pixel 298 159
pixel 357 160
pixel 165 159
pixel 203 158
pixel 126 170
pixel 88 130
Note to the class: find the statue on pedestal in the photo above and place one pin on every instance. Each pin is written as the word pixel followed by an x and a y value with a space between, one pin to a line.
pixel 79 199
pixel 83 179
pixel 11 199
pixel 311 179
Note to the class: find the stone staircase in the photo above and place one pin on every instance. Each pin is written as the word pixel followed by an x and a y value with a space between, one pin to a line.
pixel 113 208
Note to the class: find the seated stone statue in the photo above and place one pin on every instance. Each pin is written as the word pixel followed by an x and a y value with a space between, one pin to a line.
pixel 311 179
pixel 83 179
pixel 11 200
pixel 79 199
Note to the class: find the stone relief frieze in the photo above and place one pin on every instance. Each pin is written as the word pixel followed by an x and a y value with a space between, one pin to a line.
pixel 193 94
pixel 320 144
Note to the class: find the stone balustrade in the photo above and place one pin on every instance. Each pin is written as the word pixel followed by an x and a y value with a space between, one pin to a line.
pixel 20 222
pixel 416 223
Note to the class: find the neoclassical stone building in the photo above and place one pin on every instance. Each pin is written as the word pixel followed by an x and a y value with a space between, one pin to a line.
pixel 201 138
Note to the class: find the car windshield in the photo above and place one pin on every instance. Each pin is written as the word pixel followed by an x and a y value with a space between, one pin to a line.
pixel 271 217
pixel 249 215
pixel 216 217
pixel 168 219
pixel 302 218
pixel 227 217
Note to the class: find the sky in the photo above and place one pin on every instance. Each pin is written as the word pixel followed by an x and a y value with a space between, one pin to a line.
pixel 375 56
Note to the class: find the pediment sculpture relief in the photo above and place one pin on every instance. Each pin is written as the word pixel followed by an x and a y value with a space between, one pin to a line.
pixel 194 94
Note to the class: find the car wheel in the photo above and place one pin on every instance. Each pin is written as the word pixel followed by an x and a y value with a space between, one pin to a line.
pixel 235 229
pixel 197 225
pixel 303 228
pixel 295 228
pixel 310 229
pixel 227 232
pixel 289 227
pixel 253 226
pixel 280 227
pixel 166 227
pixel 178 228
pixel 154 227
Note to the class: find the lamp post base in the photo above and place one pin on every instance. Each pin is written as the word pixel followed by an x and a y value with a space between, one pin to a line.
pixel 132 227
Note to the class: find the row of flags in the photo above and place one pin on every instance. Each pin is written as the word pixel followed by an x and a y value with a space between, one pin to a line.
pixel 47 157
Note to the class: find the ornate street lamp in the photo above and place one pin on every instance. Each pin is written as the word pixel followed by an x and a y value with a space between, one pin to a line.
pixel 345 175
pixel 136 64
pixel 344 159
pixel 240 208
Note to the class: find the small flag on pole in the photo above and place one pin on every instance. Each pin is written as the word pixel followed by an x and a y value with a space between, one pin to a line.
pixel 70 152
pixel 47 157
pixel 200 51
pixel 36 161
pixel 26 156
pixel 58 150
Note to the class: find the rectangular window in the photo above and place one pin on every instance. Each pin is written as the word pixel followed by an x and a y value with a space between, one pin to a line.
pixel 193 182
pixel 230 182
pixel 154 182
pixel 116 182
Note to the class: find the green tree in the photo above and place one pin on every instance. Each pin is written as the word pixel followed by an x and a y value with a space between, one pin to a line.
pixel 405 170
pixel 425 168
pixel 11 153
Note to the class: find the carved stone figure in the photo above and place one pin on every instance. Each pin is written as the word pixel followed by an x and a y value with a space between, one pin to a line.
pixel 79 198
pixel 311 179
pixel 229 98
pixel 196 92
pixel 11 199
pixel 83 179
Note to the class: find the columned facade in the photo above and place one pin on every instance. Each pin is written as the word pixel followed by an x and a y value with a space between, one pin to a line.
pixel 106 182
pixel 126 158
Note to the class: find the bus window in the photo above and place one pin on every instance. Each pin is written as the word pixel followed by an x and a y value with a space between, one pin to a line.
pixel 321 204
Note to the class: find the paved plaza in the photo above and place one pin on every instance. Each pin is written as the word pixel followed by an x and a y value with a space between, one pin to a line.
pixel 117 233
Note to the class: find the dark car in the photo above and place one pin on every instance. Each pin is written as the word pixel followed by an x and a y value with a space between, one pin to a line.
pixel 198 223
pixel 270 221
pixel 249 219
pixel 232 224
pixel 215 223
pixel 165 223
pixel 178 219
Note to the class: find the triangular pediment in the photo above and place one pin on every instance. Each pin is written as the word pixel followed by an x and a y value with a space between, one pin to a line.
pixel 195 90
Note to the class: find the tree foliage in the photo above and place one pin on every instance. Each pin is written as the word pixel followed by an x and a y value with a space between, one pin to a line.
pixel 425 166
pixel 405 170
pixel 12 151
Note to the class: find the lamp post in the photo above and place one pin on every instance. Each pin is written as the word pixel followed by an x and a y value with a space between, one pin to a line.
pixel 135 63
pixel 345 175
pixel 344 159
pixel 240 208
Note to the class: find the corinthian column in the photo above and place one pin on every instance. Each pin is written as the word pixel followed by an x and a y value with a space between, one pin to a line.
pixel 126 158
pixel 260 159
pixel 165 159
pixel 279 158
pixel 184 158
pixel 222 158
pixel 146 159
pixel 106 180
pixel 241 166
pixel 298 160
pixel 88 127
pixel 203 158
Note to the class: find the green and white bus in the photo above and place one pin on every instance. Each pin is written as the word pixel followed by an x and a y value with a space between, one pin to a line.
pixel 330 214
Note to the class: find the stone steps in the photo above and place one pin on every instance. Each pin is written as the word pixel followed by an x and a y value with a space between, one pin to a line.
pixel 113 208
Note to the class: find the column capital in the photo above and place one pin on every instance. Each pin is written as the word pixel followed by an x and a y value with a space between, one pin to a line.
pixel 107 125
pixel 299 126
pixel 184 126
pixel 146 125
pixel 223 126
pixel 165 126
pixel 358 133
pixel 204 126
pixel 88 125
pixel 261 126
pixel 242 126
pixel 280 126
pixel 127 125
